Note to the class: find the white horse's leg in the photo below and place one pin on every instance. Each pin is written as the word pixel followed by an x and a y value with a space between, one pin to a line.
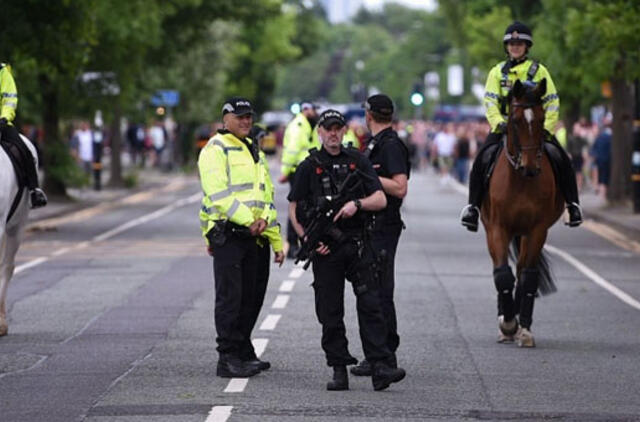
pixel 4 281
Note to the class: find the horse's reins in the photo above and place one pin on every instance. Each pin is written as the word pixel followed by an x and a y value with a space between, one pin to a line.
pixel 516 161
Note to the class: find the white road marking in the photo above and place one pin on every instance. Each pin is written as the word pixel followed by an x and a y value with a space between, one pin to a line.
pixel 280 302
pixel 270 322
pixel 611 235
pixel 110 233
pixel 593 276
pixel 287 285
pixel 30 264
pixel 236 385
pixel 219 414
pixel 259 344
pixel 296 273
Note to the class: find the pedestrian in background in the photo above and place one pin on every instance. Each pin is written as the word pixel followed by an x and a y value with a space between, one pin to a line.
pixel 601 153
pixel 350 256
pixel 390 159
pixel 232 217
pixel 299 137
pixel 461 154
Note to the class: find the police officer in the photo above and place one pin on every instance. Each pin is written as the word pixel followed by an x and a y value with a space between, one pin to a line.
pixel 390 159
pixel 269 237
pixel 351 256
pixel 517 40
pixel 232 217
pixel 8 105
pixel 299 137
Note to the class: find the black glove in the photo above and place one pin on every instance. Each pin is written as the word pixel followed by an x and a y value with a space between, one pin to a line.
pixel 502 128
pixel 3 123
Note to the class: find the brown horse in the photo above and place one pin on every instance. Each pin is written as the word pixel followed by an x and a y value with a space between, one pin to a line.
pixel 522 204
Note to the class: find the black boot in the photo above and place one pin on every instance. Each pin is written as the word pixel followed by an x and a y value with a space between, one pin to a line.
pixel 262 365
pixel 575 214
pixel 38 198
pixel 469 217
pixel 340 380
pixel 363 369
pixel 230 366
pixel 383 375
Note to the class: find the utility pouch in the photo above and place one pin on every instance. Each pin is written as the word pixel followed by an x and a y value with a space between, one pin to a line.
pixel 217 235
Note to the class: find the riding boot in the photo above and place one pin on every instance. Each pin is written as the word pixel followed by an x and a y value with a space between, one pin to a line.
pixel 529 282
pixel 566 180
pixel 471 213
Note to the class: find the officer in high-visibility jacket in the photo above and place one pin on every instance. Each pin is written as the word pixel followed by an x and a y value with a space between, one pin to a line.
pixel 517 40
pixel 299 137
pixel 269 237
pixel 232 217
pixel 8 105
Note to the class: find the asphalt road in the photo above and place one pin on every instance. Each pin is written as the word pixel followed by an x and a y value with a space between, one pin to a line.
pixel 117 325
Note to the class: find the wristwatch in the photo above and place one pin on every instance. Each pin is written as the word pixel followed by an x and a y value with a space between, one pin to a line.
pixel 358 204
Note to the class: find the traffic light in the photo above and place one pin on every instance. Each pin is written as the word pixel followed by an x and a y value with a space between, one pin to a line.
pixel 417 97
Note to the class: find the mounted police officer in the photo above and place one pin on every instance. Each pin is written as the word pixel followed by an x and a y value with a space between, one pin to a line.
pixel 232 217
pixel 517 40
pixel 349 254
pixel 390 159
pixel 300 136
pixel 8 105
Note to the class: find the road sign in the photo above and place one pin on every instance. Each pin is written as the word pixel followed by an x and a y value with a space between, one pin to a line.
pixel 166 98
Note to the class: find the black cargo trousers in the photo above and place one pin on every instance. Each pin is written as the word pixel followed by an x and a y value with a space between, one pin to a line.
pixel 353 260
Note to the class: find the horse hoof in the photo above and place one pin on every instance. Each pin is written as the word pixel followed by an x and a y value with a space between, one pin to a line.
pixel 508 328
pixel 525 338
pixel 502 339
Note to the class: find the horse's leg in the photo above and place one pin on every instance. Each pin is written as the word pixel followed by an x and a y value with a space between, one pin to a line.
pixel 528 283
pixel 498 242
pixel 4 281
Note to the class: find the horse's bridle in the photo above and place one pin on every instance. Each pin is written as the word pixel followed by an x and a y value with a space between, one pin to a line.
pixel 516 161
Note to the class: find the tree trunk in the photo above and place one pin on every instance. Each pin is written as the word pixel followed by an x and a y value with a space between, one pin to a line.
pixel 622 108
pixel 52 146
pixel 116 142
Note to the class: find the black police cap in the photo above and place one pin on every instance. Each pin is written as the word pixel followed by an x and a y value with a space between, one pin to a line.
pixel 238 106
pixel 518 31
pixel 331 117
pixel 379 103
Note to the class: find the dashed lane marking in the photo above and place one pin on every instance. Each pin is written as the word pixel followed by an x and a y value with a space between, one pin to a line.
pixel 219 414
pixel 287 285
pixel 236 385
pixel 30 264
pixel 270 322
pixel 296 272
pixel 280 302
pixel 259 345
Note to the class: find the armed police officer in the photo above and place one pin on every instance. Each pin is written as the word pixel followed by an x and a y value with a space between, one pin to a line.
pixel 9 134
pixel 300 136
pixel 232 217
pixel 517 40
pixel 390 159
pixel 340 183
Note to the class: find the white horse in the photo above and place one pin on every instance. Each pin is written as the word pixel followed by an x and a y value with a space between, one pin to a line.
pixel 11 229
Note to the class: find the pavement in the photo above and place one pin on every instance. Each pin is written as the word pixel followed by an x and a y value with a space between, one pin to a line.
pixel 619 217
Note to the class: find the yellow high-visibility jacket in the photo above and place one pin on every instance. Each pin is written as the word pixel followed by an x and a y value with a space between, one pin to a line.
pixel 351 138
pixel 299 138
pixel 272 232
pixel 8 93
pixel 497 89
pixel 232 183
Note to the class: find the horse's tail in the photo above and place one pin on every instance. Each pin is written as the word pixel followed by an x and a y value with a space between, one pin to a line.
pixel 546 282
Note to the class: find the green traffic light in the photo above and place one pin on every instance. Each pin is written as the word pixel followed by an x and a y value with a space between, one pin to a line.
pixel 417 99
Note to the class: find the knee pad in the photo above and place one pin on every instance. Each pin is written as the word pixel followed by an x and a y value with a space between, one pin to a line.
pixel 504 279
pixel 529 279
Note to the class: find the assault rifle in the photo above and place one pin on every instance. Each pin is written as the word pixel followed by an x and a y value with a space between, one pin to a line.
pixel 321 227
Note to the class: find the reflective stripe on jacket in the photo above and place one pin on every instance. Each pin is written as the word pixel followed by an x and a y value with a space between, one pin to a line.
pixel 270 215
pixel 496 90
pixel 231 182
pixel 8 93
pixel 298 139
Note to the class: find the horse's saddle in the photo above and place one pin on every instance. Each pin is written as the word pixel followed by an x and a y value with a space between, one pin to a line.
pixel 17 159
